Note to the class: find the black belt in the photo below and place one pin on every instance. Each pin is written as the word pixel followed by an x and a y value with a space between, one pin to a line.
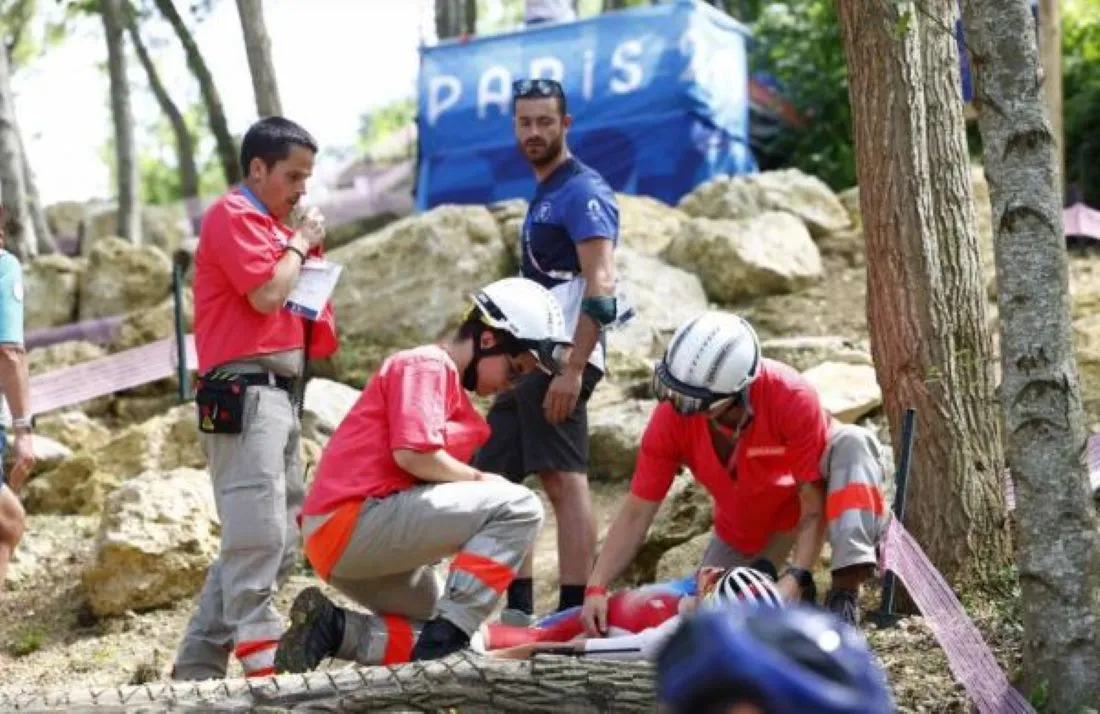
pixel 260 379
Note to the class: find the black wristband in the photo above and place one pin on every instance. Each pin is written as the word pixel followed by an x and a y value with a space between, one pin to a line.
pixel 805 581
pixel 299 253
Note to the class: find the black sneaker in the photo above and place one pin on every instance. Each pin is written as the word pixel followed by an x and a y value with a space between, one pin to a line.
pixel 844 604
pixel 316 631
pixel 438 639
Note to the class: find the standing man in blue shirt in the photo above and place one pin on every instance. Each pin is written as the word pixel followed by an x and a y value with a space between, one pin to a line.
pixel 15 387
pixel 541 426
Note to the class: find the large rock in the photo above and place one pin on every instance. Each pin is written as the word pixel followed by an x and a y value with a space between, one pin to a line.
pixel 848 391
pixel 159 534
pixel 686 512
pixel 805 352
pixel 407 283
pixel 646 224
pixel 682 560
pixel 509 216
pixel 805 196
pixel 121 278
pixel 50 284
pixel 614 435
pixel 664 296
pixel 42 360
pixel 74 429
pixel 326 404
pixel 163 226
pixel 149 325
pixel 81 484
pixel 769 254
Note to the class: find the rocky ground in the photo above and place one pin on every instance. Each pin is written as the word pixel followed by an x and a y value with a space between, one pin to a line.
pixel 123 526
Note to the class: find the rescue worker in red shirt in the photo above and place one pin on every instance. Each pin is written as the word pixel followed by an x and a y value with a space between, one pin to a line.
pixel 783 474
pixel 394 494
pixel 251 349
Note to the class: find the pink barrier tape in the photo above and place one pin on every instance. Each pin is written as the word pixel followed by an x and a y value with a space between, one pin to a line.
pixel 100 330
pixel 1092 458
pixel 969 657
pixel 107 375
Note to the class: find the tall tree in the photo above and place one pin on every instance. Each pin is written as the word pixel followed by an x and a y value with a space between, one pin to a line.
pixel 454 18
pixel 113 13
pixel 185 144
pixel 19 228
pixel 925 298
pixel 1058 534
pixel 219 126
pixel 257 45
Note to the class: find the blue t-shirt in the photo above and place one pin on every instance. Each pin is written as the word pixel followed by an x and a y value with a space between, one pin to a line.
pixel 11 299
pixel 571 205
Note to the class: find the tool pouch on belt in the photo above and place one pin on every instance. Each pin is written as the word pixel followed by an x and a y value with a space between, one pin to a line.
pixel 220 400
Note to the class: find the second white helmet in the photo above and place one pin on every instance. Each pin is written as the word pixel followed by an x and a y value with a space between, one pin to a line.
pixel 713 356
pixel 747 585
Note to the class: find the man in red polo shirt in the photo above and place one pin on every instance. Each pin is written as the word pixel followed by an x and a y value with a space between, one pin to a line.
pixel 251 350
pixel 783 474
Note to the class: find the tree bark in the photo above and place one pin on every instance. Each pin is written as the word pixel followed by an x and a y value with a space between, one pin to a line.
pixel 129 206
pixel 46 242
pixel 185 143
pixel 19 228
pixel 463 682
pixel 219 126
pixel 257 45
pixel 1050 51
pixel 925 299
pixel 1058 540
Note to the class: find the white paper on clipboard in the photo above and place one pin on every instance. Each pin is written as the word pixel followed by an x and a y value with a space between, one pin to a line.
pixel 316 281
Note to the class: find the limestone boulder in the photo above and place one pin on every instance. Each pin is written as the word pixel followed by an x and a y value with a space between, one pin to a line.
pixel 848 391
pixel 326 404
pixel 163 226
pixel 407 283
pixel 159 534
pixel 42 360
pixel 769 254
pixel 122 277
pixel 682 560
pixel 647 225
pixel 685 513
pixel 805 352
pixel 81 484
pixel 74 429
pixel 614 435
pixel 155 323
pixel 51 284
pixel 738 197
pixel 509 216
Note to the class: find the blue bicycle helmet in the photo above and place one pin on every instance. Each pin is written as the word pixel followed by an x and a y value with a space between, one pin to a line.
pixel 786 661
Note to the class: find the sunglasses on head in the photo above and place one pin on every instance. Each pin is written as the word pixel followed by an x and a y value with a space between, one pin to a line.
pixel 540 87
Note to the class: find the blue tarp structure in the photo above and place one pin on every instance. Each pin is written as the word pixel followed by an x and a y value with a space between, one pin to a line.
pixel 658 95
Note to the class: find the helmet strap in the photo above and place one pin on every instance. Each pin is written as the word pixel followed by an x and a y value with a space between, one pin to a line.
pixel 469 375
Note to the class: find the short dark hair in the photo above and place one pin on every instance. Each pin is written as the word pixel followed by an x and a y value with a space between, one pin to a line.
pixel 270 140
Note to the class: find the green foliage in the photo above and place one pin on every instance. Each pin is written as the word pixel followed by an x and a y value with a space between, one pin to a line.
pixel 378 125
pixel 801 45
pixel 1081 97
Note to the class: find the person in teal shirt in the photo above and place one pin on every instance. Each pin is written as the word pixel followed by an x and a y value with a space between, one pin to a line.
pixel 15 388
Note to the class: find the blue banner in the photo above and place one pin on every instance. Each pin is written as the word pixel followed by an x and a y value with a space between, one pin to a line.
pixel 658 96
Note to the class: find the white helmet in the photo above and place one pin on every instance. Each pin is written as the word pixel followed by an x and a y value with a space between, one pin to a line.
pixel 713 356
pixel 743 584
pixel 527 311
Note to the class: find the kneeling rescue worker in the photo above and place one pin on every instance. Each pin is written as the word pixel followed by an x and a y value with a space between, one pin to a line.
pixel 394 494
pixel 782 472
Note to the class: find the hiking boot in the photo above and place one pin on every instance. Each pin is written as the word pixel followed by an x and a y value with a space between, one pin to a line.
pixel 316 631
pixel 516 618
pixel 844 604
pixel 439 638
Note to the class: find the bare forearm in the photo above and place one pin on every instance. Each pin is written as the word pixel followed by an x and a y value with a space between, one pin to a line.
pixel 622 543
pixel 14 380
pixel 270 296
pixel 811 528
pixel 437 466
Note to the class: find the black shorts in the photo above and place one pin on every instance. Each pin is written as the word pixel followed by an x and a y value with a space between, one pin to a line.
pixel 523 442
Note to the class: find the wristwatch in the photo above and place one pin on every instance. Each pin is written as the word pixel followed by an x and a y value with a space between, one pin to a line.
pixel 805 580
pixel 23 423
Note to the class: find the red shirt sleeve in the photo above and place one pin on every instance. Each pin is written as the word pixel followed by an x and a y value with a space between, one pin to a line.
pixel 416 405
pixel 245 248
pixel 804 428
pixel 659 457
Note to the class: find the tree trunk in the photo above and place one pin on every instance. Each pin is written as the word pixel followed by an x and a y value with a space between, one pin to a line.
pixel 454 18
pixel 219 126
pixel 46 242
pixel 1050 53
pixel 18 226
pixel 612 5
pixel 257 45
pixel 129 206
pixel 185 143
pixel 925 299
pixel 1058 541
pixel 466 683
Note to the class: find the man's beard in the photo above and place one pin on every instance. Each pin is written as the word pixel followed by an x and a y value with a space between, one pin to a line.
pixel 548 155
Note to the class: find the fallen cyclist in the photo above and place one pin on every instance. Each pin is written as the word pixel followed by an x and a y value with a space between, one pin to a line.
pixel 394 494
pixel 784 475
